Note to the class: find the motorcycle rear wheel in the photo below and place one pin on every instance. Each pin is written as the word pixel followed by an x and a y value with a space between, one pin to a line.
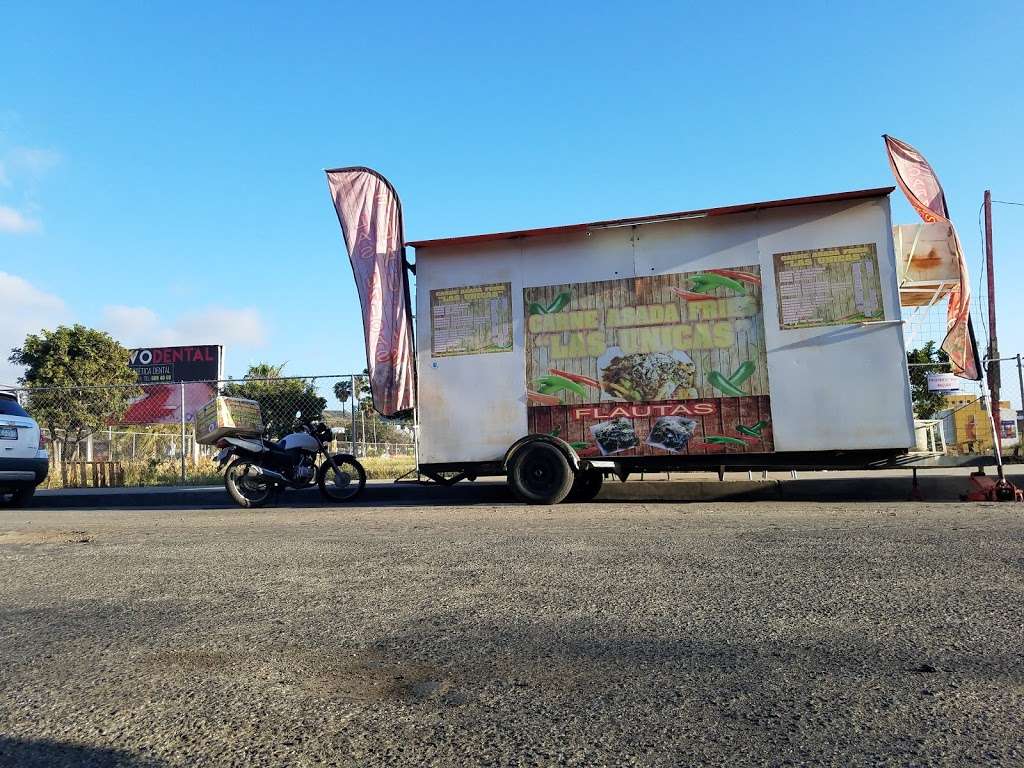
pixel 247 490
pixel 343 484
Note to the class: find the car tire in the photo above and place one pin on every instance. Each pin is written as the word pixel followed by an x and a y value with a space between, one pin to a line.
pixel 18 498
pixel 586 486
pixel 539 473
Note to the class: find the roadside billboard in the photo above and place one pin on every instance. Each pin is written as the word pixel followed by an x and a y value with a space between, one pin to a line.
pixel 163 370
pixel 673 364
pixel 156 365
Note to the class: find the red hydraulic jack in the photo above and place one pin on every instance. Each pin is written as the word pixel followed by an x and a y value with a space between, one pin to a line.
pixel 988 488
pixel 984 487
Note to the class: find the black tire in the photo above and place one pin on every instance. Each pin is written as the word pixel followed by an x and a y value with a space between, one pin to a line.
pixel 246 492
pixel 586 486
pixel 16 498
pixel 539 473
pixel 345 486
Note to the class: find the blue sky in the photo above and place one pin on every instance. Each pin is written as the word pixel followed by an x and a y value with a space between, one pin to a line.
pixel 161 169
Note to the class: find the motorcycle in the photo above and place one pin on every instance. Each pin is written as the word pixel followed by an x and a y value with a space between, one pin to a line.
pixel 257 469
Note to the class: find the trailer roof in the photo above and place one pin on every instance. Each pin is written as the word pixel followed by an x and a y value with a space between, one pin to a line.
pixel 858 194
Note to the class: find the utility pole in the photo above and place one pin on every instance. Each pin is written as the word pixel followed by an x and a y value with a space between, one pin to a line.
pixel 1020 381
pixel 993 344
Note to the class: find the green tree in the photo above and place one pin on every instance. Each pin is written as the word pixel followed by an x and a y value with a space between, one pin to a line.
pixel 279 397
pixel 921 362
pixel 79 381
pixel 370 426
pixel 364 398
pixel 343 390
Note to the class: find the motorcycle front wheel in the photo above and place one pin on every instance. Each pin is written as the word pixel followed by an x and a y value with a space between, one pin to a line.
pixel 341 478
pixel 246 489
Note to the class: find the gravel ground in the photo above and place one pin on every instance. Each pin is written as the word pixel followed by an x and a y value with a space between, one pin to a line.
pixel 609 634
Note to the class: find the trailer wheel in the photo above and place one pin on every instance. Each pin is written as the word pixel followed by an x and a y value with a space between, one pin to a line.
pixel 540 474
pixel 586 486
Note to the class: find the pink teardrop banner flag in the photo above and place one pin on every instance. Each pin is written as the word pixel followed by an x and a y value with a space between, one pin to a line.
pixel 370 215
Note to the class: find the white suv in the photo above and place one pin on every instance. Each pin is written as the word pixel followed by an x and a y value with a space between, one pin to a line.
pixel 24 462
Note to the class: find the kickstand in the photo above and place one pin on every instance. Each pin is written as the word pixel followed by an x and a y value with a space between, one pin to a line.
pixel 915 489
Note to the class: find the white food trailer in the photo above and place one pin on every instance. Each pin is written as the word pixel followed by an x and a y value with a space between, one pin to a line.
pixel 757 336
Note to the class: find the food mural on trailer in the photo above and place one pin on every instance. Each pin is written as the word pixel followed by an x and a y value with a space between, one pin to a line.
pixel 663 365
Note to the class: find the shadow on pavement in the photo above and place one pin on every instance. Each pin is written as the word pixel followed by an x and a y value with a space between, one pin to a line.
pixel 44 753
pixel 819 487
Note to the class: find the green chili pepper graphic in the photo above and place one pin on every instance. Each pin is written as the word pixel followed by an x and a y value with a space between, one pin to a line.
pixel 559 303
pixel 754 430
pixel 730 385
pixel 723 385
pixel 706 282
pixel 723 440
pixel 744 372
pixel 550 385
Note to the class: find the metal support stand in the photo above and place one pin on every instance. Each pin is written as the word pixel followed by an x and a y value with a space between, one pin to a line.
pixel 1020 381
pixel 915 489
pixel 181 401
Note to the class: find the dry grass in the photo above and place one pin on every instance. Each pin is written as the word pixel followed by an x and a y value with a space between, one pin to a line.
pixel 204 472
pixel 387 467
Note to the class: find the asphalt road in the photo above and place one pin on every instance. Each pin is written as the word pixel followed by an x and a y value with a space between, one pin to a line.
pixel 768 633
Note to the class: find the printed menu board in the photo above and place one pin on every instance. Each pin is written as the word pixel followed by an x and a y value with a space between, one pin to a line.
pixel 471 320
pixel 828 286
pixel 650 366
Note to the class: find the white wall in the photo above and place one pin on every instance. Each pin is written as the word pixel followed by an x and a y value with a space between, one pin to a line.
pixel 832 388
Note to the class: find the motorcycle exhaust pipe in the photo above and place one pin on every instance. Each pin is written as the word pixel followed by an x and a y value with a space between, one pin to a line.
pixel 269 474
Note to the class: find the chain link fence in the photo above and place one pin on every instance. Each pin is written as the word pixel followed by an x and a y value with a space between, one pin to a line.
pixel 145 434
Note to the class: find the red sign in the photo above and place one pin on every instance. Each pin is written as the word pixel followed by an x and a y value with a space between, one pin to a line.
pixel 660 428
pixel 644 410
pixel 161 371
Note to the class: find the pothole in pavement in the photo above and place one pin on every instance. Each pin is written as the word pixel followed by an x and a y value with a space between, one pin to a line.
pixel 45 537
pixel 364 677
pixel 354 676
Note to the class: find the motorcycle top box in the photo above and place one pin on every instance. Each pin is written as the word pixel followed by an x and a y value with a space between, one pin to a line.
pixel 228 417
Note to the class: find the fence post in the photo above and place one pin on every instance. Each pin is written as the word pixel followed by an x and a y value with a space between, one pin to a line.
pixel 353 396
pixel 181 393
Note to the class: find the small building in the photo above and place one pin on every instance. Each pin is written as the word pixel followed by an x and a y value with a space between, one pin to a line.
pixel 967 425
